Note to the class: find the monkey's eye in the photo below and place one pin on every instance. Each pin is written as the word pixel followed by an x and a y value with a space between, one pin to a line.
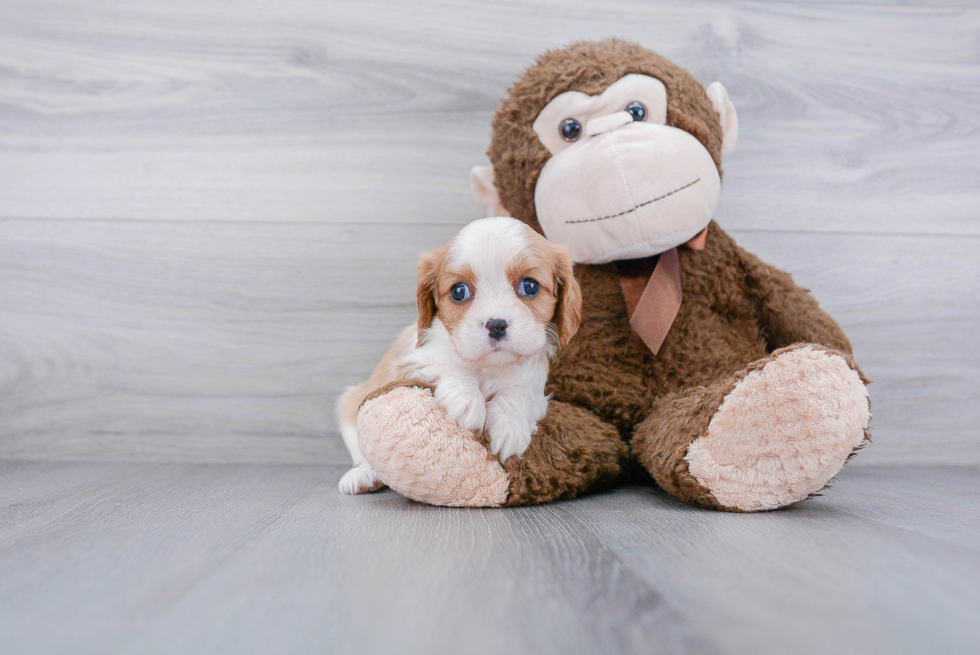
pixel 528 287
pixel 570 129
pixel 637 111
pixel 460 292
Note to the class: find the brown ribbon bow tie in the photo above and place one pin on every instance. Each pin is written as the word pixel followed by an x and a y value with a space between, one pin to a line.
pixel 652 288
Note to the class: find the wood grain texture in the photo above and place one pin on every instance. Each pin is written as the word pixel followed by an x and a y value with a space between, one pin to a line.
pixel 143 558
pixel 194 341
pixel 216 342
pixel 788 582
pixel 210 212
pixel 854 117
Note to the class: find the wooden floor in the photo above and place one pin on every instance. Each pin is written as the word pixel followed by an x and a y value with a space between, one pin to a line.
pixel 181 558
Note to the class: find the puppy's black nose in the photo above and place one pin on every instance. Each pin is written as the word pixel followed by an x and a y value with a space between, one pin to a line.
pixel 497 328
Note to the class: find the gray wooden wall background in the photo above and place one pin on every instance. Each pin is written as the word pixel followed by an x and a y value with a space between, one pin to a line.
pixel 210 211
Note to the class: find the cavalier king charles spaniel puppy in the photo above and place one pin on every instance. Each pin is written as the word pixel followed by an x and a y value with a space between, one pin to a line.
pixel 494 304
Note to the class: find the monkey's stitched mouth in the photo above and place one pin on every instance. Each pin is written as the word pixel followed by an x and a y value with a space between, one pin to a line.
pixel 634 208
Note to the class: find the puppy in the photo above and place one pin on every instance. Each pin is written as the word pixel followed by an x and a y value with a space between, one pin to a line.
pixel 494 304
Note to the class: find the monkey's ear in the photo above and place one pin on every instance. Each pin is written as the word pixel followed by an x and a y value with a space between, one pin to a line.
pixel 484 191
pixel 726 112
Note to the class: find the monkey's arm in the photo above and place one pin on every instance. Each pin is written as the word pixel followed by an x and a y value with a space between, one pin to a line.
pixel 787 312
pixel 572 452
pixel 421 454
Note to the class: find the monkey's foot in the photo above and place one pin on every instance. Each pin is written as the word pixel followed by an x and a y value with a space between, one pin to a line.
pixel 783 431
pixel 409 441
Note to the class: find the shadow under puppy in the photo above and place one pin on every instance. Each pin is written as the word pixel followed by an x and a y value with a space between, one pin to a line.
pixel 494 304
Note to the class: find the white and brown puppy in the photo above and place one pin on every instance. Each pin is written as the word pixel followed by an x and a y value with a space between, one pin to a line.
pixel 494 303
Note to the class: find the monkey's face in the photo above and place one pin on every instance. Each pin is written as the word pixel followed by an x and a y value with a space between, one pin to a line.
pixel 609 148
pixel 621 183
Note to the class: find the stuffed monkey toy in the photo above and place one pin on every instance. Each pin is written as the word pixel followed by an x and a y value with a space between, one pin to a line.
pixel 705 366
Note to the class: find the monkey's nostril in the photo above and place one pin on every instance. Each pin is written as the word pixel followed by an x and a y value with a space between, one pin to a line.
pixel 497 327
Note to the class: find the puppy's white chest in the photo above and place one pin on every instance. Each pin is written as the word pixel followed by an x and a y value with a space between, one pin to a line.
pixel 530 376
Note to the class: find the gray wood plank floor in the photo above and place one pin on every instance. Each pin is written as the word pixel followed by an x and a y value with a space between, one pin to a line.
pixel 182 558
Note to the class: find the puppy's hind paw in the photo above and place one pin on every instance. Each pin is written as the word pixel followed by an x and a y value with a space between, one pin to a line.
pixel 360 480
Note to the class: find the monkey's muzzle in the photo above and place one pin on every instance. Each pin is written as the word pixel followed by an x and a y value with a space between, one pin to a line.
pixel 630 191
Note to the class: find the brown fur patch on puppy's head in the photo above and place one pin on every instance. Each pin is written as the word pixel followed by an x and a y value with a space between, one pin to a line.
pixel 590 67
pixel 435 279
pixel 560 299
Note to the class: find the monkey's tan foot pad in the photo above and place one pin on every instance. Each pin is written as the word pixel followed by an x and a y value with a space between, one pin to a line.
pixel 407 438
pixel 783 431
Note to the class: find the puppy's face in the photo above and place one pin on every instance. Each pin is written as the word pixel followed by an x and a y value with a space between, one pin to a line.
pixel 502 290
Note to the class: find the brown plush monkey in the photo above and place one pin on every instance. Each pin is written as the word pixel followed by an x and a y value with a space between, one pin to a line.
pixel 708 367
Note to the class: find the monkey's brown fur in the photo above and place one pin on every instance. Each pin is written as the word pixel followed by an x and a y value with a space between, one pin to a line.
pixel 736 309
pixel 615 403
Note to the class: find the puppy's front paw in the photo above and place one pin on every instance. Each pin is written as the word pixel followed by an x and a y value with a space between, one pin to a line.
pixel 360 480
pixel 464 406
pixel 509 435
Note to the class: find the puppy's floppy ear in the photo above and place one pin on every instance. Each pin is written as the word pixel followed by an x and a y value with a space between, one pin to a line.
pixel 568 309
pixel 425 295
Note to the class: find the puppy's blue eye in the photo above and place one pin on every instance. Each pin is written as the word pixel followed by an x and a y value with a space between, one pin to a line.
pixel 529 287
pixel 459 292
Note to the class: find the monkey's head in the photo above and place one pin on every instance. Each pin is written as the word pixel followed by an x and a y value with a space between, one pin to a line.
pixel 609 148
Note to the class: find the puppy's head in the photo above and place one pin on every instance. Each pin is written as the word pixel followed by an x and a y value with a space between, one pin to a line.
pixel 502 290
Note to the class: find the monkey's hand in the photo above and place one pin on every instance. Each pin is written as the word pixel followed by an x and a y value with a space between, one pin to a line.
pixel 409 440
